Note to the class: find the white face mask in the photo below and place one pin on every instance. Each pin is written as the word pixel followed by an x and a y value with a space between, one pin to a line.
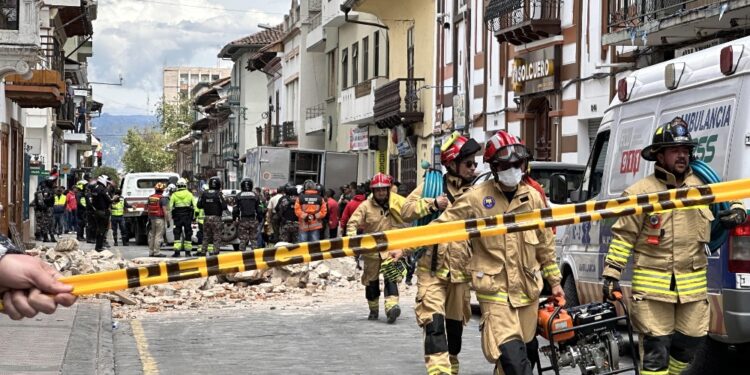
pixel 510 177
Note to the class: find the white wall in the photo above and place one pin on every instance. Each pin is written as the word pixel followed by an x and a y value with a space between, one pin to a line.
pixel 253 99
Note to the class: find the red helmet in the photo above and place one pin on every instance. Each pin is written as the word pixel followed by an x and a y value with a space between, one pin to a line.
pixel 380 180
pixel 505 147
pixel 457 147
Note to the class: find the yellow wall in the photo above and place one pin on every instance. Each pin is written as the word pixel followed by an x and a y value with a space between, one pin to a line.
pixel 421 15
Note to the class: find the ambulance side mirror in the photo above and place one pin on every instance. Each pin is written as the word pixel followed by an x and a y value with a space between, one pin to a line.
pixel 558 189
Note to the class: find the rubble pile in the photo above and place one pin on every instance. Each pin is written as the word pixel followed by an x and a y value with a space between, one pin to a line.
pixel 242 289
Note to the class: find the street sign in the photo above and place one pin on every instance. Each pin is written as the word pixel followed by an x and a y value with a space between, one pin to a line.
pixel 232 176
pixel 39 172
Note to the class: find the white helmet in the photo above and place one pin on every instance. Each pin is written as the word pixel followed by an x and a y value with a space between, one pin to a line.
pixel 103 179
pixel 181 183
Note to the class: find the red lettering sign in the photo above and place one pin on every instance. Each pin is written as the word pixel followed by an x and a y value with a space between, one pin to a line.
pixel 630 162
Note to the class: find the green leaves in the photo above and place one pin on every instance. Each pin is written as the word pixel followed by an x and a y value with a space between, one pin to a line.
pixel 146 151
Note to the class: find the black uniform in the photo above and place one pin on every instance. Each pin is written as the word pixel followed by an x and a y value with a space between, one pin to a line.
pixel 45 200
pixel 101 203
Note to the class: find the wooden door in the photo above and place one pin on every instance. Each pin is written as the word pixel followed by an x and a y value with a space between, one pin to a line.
pixel 4 168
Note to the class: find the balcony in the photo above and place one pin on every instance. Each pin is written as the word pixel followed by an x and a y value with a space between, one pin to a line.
pixel 71 138
pixel 314 6
pixel 357 102
pixel 66 115
pixel 315 118
pixel 523 21
pixel 45 89
pixel 316 40
pixel 288 134
pixel 332 14
pixel 661 22
pixel 398 103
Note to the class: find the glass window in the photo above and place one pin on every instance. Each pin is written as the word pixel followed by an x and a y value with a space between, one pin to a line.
pixel 355 63
pixel 183 79
pixel 214 77
pixel 365 58
pixel 332 73
pixel 376 57
pixel 148 183
pixel 592 183
pixel 344 68
pixel 193 79
pixel 9 14
pixel 204 77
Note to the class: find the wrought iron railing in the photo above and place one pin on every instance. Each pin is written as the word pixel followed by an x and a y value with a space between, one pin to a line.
pixel 625 14
pixel 315 111
pixel 288 132
pixel 507 14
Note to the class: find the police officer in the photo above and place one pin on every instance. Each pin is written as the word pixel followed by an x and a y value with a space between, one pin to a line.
pixel 119 206
pixel 670 306
pixel 101 203
pixel 288 221
pixel 443 296
pixel 45 200
pixel 213 203
pixel 90 219
pixel 81 211
pixel 246 212
pixel 375 215
pixel 183 211
pixel 507 271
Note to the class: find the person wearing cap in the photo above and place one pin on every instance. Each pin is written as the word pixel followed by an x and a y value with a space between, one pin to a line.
pixel 669 303
pixel 102 204
pixel 443 293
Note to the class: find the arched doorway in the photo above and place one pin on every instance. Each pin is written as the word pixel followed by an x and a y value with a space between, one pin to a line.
pixel 538 129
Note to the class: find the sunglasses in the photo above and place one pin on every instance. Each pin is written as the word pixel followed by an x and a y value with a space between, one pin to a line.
pixel 470 163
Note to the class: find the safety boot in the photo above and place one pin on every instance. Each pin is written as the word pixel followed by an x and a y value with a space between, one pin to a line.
pixel 187 253
pixel 373 315
pixel 393 314
pixel 52 238
pixel 176 254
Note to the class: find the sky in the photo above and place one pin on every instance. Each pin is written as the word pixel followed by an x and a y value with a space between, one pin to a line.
pixel 137 38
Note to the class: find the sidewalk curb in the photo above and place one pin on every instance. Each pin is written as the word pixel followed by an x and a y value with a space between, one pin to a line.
pixel 90 349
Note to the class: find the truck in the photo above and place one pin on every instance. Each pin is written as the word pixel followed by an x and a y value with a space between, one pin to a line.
pixel 136 188
pixel 271 167
pixel 710 90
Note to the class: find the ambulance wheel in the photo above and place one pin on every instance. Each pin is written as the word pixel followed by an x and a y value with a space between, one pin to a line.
pixel 718 358
pixel 571 293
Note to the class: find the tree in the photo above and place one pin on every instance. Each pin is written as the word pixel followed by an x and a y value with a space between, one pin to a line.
pixel 109 171
pixel 146 151
pixel 174 119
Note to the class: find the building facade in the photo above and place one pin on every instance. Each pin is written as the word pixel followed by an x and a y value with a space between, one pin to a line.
pixel 177 81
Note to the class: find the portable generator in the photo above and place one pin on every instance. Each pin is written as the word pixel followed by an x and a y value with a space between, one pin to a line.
pixel 584 336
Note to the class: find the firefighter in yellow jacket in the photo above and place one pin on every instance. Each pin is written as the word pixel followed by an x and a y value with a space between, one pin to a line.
pixel 443 294
pixel 376 215
pixel 670 306
pixel 507 271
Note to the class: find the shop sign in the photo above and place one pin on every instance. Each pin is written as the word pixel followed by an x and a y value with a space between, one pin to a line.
pixel 358 139
pixel 536 71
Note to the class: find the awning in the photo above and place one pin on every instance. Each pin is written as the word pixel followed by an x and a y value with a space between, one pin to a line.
pixel 201 124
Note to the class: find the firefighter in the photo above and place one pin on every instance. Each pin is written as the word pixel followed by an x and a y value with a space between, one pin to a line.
pixel 101 203
pixel 44 201
pixel 507 271
pixel 182 209
pixel 287 218
pixel 247 212
pixel 669 306
pixel 213 203
pixel 158 215
pixel 119 206
pixel 310 209
pixel 443 295
pixel 375 215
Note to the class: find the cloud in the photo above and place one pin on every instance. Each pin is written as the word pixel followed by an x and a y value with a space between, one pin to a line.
pixel 138 38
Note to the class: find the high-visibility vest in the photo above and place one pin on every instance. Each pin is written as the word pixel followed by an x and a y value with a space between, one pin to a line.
pixel 118 209
pixel 199 213
pixel 60 200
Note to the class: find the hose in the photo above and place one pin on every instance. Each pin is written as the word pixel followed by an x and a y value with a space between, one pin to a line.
pixel 433 188
pixel 719 234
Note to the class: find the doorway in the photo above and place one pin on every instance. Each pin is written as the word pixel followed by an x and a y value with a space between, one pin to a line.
pixel 538 129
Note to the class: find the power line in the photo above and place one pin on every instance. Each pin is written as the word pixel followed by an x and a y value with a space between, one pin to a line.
pixel 209 7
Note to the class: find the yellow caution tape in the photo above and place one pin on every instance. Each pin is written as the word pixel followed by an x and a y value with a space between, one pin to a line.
pixel 406 238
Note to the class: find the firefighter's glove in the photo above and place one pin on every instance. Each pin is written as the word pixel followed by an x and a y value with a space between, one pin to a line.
pixel 732 217
pixel 611 289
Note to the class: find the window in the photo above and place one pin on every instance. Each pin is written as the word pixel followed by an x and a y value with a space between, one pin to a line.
pixel 183 79
pixel 9 14
pixel 410 52
pixel 355 63
pixel 214 77
pixel 204 77
pixel 148 183
pixel 592 182
pixel 332 73
pixel 344 68
pixel 376 58
pixel 365 58
pixel 193 79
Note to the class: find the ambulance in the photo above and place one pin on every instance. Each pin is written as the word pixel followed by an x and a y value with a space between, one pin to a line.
pixel 710 89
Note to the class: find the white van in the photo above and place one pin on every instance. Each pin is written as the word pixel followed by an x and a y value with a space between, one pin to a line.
pixel 710 89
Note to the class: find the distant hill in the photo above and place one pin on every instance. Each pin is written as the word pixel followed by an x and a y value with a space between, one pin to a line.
pixel 110 129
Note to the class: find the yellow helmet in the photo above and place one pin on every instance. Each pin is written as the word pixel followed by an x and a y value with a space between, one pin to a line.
pixel 159 186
